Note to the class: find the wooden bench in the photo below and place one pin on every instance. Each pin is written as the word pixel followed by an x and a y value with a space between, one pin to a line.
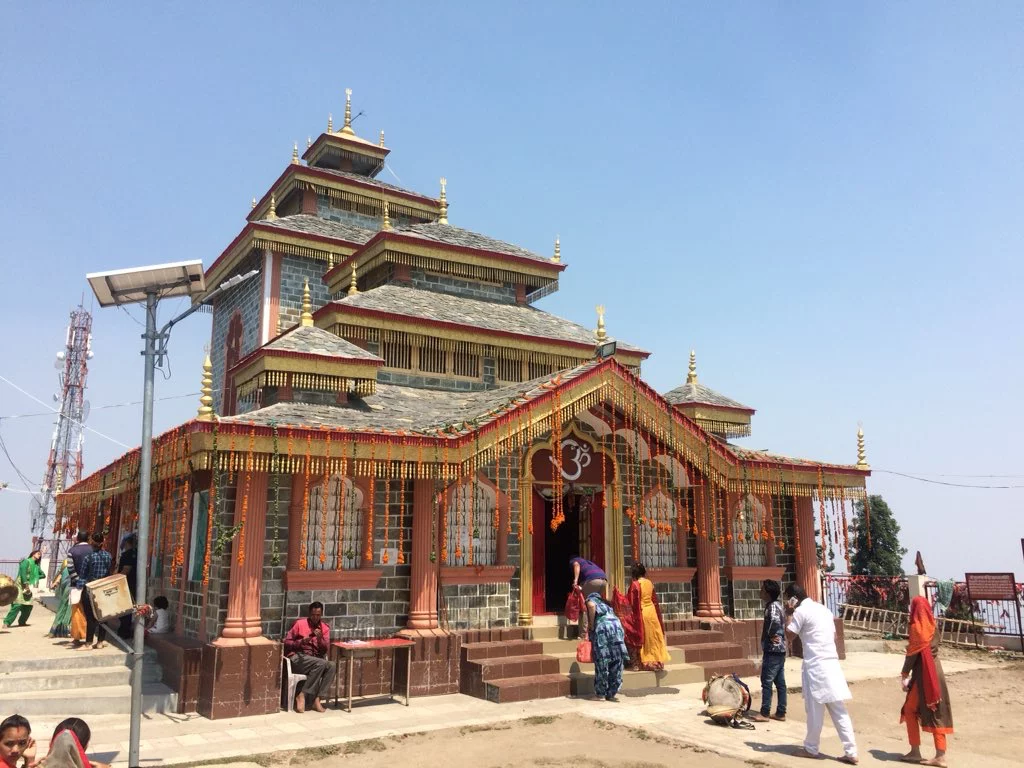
pixel 181 660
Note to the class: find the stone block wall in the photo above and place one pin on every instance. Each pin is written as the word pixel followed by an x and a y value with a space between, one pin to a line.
pixel 246 298
pixel 504 293
pixel 295 270
pixel 746 599
pixel 383 609
pixel 476 606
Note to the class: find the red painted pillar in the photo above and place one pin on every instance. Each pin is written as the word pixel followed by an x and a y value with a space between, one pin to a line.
pixel 244 588
pixel 423 576
pixel 807 574
pixel 709 585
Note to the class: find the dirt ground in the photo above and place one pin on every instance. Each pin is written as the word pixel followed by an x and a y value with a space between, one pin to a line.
pixel 570 740
pixel 988 709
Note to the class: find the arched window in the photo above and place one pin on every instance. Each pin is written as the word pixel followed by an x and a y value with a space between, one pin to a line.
pixel 232 354
pixel 471 509
pixel 748 546
pixel 342 505
pixel 657 530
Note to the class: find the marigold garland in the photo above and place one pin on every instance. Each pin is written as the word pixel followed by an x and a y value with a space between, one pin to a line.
pixel 821 515
pixel 307 470
pixel 444 506
pixel 373 499
pixel 211 505
pixel 796 518
pixel 343 499
pixel 245 496
pixel 401 513
pixel 325 497
pixel 179 556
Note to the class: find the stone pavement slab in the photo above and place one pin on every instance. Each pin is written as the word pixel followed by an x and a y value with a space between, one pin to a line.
pixel 674 713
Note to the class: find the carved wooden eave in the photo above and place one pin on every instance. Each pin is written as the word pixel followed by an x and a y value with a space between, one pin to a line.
pixel 299 370
pixel 340 145
pixel 336 314
pixel 719 419
pixel 367 193
pixel 459 261
pixel 260 236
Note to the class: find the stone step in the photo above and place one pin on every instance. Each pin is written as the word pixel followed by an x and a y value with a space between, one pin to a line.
pixel 567 661
pixel 744 668
pixel 45 680
pixel 582 682
pixel 106 700
pixel 74 660
pixel 559 647
pixel 700 652
pixel 516 666
pixel 693 636
pixel 497 649
pixel 527 688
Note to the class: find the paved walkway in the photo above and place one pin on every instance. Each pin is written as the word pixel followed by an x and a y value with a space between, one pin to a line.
pixel 672 712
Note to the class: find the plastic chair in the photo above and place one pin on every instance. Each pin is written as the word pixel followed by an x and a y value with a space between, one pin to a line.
pixel 291 681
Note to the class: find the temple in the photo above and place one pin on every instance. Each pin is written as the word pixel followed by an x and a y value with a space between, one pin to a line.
pixel 390 425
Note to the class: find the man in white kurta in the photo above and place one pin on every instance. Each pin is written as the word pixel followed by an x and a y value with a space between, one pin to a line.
pixel 824 685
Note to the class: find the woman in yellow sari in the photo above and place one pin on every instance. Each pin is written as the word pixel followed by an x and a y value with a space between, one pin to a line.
pixel 645 630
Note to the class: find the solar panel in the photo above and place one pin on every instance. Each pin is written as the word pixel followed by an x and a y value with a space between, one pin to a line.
pixel 129 286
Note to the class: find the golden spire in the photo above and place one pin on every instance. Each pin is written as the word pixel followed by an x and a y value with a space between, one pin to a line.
pixel 557 258
pixel 381 142
pixel 442 217
pixel 386 226
pixel 330 123
pixel 205 412
pixel 600 333
pixel 347 127
pixel 862 456
pixel 691 377
pixel 295 152
pixel 353 289
pixel 272 213
pixel 307 314
pixel 254 203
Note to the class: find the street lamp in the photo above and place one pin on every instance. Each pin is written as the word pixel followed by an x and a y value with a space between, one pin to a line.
pixel 132 286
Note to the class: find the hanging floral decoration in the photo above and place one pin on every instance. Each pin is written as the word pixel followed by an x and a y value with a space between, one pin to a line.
pixel 211 504
pixel 307 469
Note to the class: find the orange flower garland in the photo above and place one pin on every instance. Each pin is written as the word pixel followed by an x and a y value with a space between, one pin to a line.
pixel 444 506
pixel 373 500
pixel 821 514
pixel 325 497
pixel 401 513
pixel 387 506
pixel 179 557
pixel 245 495
pixel 342 505
pixel 211 502
pixel 307 470
pixel 796 518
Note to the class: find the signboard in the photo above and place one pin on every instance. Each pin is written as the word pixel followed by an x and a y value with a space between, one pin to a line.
pixel 991 586
pixel 581 464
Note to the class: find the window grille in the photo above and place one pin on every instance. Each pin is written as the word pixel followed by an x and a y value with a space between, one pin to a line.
pixel 748 521
pixel 345 500
pixel 509 370
pixel 658 532
pixel 433 360
pixel 396 354
pixel 466 364
pixel 476 500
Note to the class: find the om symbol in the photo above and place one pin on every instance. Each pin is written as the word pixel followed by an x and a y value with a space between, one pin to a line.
pixel 579 456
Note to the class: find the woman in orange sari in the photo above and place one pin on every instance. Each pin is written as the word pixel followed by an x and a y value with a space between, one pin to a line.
pixel 927 704
pixel 641 620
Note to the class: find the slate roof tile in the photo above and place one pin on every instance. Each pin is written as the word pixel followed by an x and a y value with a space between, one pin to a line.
pixel 698 393
pixel 314 225
pixel 445 233
pixel 316 341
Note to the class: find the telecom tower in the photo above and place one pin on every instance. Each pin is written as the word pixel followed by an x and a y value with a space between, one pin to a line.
pixel 64 466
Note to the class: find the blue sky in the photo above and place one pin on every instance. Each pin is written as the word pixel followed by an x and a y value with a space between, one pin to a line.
pixel 824 201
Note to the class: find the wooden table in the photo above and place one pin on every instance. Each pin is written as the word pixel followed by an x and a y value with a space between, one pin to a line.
pixel 352 649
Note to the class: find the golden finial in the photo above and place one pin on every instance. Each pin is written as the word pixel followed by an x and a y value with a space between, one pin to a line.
pixel 347 127
pixel 330 123
pixel 862 455
pixel 307 310
pixel 254 203
pixel 205 412
pixel 442 217
pixel 353 289
pixel 387 218
pixel 600 334
pixel 557 258
pixel 272 213
pixel 691 377
pixel 381 142
pixel 309 142
pixel 330 260
pixel 295 152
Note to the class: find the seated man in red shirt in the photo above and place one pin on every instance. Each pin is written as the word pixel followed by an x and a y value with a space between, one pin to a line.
pixel 306 644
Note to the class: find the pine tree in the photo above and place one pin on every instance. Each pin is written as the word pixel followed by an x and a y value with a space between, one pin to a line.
pixel 884 557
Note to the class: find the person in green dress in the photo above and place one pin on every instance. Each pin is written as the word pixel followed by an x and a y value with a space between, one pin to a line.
pixel 21 608
pixel 61 626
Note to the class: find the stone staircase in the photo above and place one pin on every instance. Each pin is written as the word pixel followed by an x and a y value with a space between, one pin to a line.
pixel 506 666
pixel 79 683
pixel 708 648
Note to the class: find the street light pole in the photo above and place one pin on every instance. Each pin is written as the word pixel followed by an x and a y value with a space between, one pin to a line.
pixel 142 545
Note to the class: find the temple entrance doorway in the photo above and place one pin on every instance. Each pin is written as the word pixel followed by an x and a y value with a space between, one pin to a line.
pixel 580 534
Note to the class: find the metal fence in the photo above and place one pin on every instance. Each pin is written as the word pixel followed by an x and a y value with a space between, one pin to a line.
pixel 885 592
pixel 996 617
pixel 9 567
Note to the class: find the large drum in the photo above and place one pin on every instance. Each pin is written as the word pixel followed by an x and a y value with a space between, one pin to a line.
pixel 8 590
pixel 728 699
